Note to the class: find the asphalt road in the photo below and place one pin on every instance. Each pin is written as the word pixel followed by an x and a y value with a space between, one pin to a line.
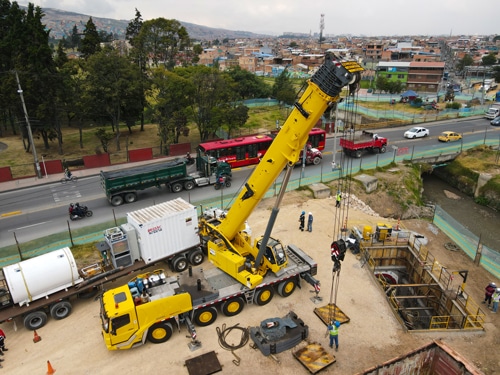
pixel 40 210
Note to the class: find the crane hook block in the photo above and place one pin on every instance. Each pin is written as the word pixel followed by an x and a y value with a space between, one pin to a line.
pixel 338 249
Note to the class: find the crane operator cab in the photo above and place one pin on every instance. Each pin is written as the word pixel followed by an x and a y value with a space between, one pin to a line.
pixel 274 254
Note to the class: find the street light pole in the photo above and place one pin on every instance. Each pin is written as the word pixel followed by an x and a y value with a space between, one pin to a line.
pixel 30 135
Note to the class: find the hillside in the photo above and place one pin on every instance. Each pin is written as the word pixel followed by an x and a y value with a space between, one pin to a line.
pixel 61 23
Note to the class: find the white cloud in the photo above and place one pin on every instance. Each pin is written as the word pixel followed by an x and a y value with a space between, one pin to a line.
pixel 361 17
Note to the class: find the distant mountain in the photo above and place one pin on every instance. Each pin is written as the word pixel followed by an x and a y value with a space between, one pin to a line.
pixel 61 23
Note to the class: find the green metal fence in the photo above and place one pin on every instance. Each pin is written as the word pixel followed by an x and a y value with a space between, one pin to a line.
pixel 467 241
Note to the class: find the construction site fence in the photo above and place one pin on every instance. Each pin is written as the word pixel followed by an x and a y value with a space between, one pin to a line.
pixel 328 175
pixel 468 242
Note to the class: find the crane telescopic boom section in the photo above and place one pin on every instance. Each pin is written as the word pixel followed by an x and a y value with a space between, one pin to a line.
pixel 324 88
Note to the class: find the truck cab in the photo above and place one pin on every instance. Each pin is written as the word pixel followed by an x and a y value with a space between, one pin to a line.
pixel 209 170
pixel 313 156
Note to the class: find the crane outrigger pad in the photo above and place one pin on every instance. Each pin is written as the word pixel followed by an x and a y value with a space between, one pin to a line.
pixel 204 364
pixel 276 335
pixel 331 312
pixel 314 357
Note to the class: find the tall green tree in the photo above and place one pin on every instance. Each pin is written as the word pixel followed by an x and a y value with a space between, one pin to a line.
pixel 91 42
pixel 162 40
pixel 138 53
pixel 467 60
pixel 489 60
pixel 170 97
pixel 33 61
pixel 211 90
pixel 283 89
pixel 76 38
pixel 112 84
pixel 249 85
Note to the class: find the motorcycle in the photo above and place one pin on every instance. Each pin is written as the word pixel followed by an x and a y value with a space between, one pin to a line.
pixel 222 181
pixel 189 159
pixel 79 212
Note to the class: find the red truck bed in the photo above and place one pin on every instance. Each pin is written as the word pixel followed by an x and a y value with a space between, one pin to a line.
pixel 355 144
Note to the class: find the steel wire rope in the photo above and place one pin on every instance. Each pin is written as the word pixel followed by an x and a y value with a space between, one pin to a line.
pixel 341 217
pixel 222 334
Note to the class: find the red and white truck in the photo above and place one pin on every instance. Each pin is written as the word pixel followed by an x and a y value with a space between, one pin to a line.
pixel 355 145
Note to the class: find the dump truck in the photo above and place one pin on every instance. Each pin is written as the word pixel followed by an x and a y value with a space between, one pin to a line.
pixel 241 271
pixel 122 186
pixel 356 144
pixel 43 286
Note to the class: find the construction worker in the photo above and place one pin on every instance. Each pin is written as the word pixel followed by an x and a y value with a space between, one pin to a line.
pixel 333 329
pixel 496 299
pixel 310 222
pixel 338 198
pixel 302 220
pixel 488 292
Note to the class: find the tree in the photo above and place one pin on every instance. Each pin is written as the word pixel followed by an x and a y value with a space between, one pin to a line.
pixel 489 60
pixel 467 60
pixel 111 84
pixel 283 89
pixel 211 89
pixel 134 28
pixel 61 57
pixel 91 42
pixel 170 97
pixel 104 138
pixel 496 73
pixel 382 83
pixel 162 39
pixel 76 38
pixel 249 85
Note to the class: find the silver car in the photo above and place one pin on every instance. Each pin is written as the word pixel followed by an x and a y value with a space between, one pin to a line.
pixel 416 132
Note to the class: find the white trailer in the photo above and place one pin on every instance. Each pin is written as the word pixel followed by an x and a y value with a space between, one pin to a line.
pixel 166 231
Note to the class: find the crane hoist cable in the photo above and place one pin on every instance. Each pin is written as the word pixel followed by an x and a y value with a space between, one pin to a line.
pixel 341 214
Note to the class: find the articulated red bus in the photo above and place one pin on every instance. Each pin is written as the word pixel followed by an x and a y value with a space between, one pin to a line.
pixel 242 151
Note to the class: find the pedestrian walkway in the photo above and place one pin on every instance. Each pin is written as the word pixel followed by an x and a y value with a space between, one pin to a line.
pixel 27 182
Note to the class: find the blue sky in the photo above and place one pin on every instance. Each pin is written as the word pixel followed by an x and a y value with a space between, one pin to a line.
pixel 360 17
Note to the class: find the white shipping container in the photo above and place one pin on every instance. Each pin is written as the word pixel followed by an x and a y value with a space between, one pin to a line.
pixel 41 276
pixel 165 229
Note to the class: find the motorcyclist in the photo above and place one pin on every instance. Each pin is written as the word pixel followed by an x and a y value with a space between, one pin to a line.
pixel 78 210
pixel 71 209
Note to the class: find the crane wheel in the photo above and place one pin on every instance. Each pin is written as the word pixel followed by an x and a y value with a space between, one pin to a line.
pixel 160 332
pixel 264 295
pixel 205 316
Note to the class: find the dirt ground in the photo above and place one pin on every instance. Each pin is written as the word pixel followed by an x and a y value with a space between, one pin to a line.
pixel 372 336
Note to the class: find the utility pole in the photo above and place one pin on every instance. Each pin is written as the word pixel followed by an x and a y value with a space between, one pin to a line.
pixel 30 135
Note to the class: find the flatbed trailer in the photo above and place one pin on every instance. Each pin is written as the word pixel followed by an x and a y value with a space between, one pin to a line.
pixel 56 304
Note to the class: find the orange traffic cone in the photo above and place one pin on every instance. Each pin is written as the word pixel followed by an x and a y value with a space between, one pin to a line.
pixel 50 369
pixel 36 338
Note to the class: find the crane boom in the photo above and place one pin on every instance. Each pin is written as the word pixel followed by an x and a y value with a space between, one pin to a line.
pixel 323 89
pixel 228 247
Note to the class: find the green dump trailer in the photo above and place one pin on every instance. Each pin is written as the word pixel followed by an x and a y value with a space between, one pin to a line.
pixel 122 186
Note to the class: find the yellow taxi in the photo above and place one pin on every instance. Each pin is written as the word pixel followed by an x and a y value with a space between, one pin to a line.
pixel 449 137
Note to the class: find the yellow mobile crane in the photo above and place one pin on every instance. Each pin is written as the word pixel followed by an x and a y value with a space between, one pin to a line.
pixel 228 246
pixel 148 307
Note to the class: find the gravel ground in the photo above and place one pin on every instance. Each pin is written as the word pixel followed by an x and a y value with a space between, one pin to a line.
pixel 372 336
